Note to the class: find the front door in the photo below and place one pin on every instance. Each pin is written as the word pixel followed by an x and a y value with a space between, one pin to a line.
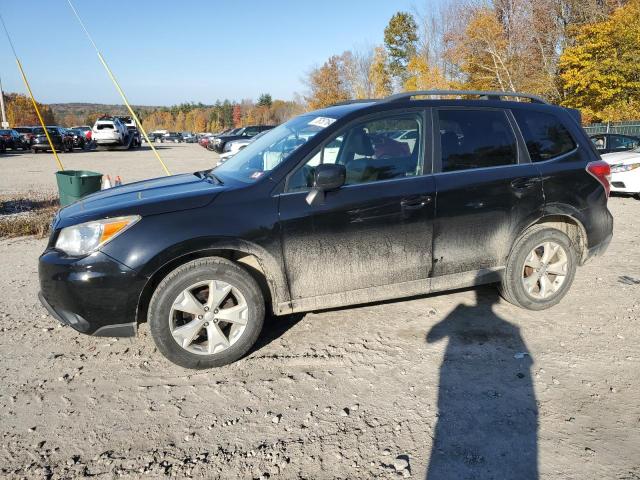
pixel 374 231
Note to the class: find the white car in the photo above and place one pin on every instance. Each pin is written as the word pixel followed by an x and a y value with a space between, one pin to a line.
pixel 234 146
pixel 625 171
pixel 109 131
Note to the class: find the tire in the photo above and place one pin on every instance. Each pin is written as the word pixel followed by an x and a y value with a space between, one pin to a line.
pixel 34 151
pixel 530 249
pixel 165 320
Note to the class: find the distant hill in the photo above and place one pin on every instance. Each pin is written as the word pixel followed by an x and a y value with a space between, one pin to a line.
pixel 77 113
pixel 60 110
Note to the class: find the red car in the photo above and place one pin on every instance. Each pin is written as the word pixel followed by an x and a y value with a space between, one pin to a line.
pixel 86 130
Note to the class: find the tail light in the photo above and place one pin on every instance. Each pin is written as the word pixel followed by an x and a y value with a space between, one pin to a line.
pixel 601 171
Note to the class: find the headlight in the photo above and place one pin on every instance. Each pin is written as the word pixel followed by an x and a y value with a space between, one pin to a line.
pixel 217 140
pixel 85 238
pixel 624 168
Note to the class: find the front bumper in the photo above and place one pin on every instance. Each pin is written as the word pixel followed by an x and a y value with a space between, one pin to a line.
pixel 95 295
pixel 626 182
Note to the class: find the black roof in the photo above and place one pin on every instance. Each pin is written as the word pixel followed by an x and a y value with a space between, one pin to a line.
pixel 424 98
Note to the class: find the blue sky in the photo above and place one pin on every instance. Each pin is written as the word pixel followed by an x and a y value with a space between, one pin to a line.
pixel 167 52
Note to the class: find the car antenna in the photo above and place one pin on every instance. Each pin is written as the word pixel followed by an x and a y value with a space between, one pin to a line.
pixel 33 100
pixel 118 87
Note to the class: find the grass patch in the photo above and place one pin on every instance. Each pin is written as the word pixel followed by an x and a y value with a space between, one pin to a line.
pixel 27 214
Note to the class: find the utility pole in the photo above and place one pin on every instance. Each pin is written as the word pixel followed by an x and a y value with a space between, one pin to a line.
pixel 5 124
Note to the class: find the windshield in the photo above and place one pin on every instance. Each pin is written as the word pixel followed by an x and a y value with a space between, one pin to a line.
pixel 274 147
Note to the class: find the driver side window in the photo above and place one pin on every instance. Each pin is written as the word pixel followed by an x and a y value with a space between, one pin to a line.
pixel 381 149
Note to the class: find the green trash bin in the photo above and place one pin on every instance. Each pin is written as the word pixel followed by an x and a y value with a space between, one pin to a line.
pixel 75 184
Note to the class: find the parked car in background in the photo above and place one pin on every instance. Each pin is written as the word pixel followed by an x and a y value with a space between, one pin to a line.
pixel 26 133
pixel 61 139
pixel 109 131
pixel 3 148
pixel 625 171
pixel 244 132
pixel 511 193
pixel 130 123
pixel 79 138
pixel 13 140
pixel 614 142
pixel 174 137
pixel 84 129
pixel 233 147
pixel 189 137
pixel 157 135
pixel 204 140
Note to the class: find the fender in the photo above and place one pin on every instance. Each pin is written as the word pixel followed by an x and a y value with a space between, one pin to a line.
pixel 201 246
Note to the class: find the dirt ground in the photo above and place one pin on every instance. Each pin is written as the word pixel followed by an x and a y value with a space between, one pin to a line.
pixel 24 171
pixel 459 385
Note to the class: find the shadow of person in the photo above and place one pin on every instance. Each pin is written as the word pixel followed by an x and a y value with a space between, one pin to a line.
pixel 487 413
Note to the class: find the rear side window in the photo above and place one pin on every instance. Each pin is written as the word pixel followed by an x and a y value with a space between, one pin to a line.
pixel 620 142
pixel 545 135
pixel 475 139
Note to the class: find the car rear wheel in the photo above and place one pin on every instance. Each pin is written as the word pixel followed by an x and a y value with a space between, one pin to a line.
pixel 206 313
pixel 540 269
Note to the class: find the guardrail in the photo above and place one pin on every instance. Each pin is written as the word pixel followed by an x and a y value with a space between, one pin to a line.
pixel 625 128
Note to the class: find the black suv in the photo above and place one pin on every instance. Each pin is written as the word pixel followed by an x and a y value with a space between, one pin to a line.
pixel 356 203
pixel 62 140
pixel 245 132
pixel 13 140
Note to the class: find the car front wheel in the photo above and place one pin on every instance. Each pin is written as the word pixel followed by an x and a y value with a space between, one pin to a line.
pixel 540 269
pixel 206 313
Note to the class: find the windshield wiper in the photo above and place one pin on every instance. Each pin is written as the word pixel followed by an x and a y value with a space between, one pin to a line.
pixel 212 176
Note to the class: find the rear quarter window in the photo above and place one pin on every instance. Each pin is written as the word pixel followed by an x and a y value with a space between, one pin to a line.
pixel 545 135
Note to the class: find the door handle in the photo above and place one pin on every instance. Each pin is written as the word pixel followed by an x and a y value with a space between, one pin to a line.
pixel 413 203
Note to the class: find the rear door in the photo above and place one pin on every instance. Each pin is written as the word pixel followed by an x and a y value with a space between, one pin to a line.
pixel 487 188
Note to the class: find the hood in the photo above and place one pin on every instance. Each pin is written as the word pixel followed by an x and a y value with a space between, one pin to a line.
pixel 148 197
pixel 621 157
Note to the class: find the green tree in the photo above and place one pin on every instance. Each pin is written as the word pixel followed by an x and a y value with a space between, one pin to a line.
pixel 265 100
pixel 401 40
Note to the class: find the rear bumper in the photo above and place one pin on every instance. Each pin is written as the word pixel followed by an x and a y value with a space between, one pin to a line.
pixel 46 146
pixel 94 295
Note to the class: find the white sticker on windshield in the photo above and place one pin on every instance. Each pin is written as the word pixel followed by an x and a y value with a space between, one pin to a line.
pixel 322 122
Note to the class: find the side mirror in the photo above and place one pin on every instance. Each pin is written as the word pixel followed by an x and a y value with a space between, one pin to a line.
pixel 327 177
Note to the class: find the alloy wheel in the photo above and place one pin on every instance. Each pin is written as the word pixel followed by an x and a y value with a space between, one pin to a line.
pixel 208 317
pixel 545 270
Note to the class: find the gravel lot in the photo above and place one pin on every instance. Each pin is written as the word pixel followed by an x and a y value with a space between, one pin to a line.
pixel 459 385
pixel 24 171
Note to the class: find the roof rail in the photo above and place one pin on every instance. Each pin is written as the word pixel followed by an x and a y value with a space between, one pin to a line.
pixel 359 100
pixel 484 95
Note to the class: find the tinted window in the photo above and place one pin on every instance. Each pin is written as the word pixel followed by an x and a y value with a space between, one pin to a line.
pixel 544 134
pixel 369 153
pixel 475 139
pixel 620 142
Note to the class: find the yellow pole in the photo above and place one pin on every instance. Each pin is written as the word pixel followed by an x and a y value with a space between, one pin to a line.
pixel 120 91
pixel 35 106
pixel 33 100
